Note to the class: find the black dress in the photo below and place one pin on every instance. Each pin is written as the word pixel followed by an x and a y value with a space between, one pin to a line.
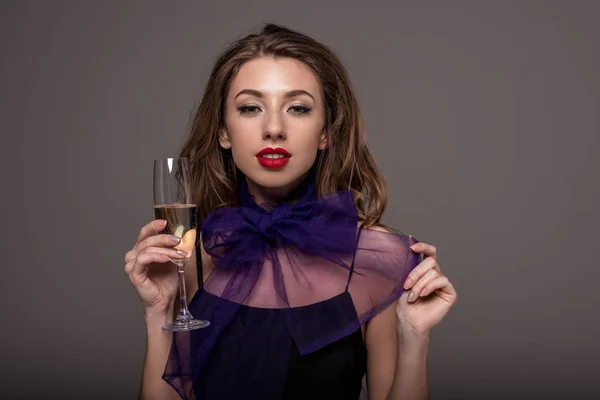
pixel 332 372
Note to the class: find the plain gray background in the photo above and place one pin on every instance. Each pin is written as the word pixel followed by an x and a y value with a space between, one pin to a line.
pixel 483 116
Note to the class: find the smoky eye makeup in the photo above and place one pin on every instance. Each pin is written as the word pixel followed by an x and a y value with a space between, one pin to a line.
pixel 299 109
pixel 248 109
pixel 251 109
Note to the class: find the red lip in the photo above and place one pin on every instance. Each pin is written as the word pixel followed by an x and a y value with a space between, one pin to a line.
pixel 270 150
pixel 273 163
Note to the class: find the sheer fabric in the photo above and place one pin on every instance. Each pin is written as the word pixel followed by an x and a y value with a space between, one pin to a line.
pixel 298 275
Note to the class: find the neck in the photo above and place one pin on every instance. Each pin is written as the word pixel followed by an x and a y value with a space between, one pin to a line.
pixel 274 195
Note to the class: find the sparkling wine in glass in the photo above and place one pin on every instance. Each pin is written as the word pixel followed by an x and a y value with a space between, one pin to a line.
pixel 173 203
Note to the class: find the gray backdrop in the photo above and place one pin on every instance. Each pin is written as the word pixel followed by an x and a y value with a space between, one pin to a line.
pixel 483 116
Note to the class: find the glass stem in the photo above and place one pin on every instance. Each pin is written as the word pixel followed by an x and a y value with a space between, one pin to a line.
pixel 184 313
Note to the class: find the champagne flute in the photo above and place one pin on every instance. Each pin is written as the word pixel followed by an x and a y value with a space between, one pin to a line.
pixel 173 203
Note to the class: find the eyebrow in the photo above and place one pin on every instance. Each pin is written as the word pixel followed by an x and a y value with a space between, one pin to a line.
pixel 260 95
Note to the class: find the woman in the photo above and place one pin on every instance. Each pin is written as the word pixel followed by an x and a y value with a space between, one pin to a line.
pixel 305 290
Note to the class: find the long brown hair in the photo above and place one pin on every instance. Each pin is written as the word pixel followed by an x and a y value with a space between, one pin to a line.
pixel 346 163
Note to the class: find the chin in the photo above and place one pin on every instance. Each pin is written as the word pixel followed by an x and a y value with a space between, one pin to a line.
pixel 291 175
pixel 275 179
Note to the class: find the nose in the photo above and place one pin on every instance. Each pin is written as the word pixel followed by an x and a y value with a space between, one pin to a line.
pixel 273 128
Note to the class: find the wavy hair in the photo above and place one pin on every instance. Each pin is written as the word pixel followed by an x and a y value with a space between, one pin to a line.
pixel 346 163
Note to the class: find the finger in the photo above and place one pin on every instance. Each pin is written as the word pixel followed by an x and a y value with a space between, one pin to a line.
pixel 420 270
pixel 404 296
pixel 130 256
pixel 417 289
pixel 427 250
pixel 129 267
pixel 172 253
pixel 157 241
pixel 151 228
pixel 140 262
pixel 140 266
pixel 443 285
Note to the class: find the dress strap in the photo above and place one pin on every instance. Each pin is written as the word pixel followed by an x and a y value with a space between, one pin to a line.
pixel 199 261
pixel 353 258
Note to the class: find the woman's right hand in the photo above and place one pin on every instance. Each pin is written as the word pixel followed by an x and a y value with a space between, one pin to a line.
pixel 150 269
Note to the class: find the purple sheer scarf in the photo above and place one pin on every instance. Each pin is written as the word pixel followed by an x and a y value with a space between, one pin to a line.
pixel 307 259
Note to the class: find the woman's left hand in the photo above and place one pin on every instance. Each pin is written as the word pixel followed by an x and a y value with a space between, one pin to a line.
pixel 428 297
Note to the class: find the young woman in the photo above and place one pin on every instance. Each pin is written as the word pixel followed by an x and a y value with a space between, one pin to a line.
pixel 305 290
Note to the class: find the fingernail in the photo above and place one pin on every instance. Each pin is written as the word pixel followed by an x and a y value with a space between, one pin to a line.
pixel 163 223
pixel 411 294
pixel 408 283
pixel 413 247
pixel 181 252
pixel 175 239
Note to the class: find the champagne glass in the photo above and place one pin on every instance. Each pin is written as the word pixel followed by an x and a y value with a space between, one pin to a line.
pixel 173 203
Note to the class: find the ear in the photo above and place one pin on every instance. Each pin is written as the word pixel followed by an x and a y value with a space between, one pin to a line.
pixel 323 141
pixel 224 139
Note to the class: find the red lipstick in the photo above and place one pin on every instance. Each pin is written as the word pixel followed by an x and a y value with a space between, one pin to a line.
pixel 279 158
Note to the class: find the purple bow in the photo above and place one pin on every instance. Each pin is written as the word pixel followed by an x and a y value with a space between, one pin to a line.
pixel 245 236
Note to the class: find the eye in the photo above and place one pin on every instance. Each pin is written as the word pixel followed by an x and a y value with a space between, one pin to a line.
pixel 248 110
pixel 299 109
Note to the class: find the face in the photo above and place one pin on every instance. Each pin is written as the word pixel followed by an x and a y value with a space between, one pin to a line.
pixel 274 123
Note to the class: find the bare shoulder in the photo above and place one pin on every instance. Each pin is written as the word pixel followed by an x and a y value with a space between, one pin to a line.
pixel 380 228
